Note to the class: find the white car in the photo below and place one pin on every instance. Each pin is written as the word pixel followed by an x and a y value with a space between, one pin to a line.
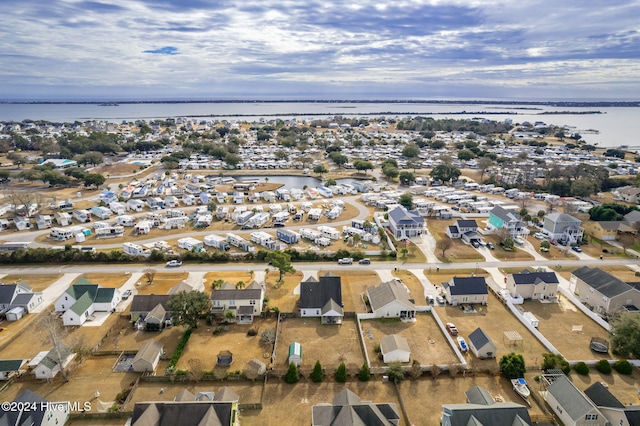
pixel 174 263
pixel 539 235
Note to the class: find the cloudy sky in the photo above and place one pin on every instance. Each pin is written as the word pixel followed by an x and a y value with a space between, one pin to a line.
pixel 332 49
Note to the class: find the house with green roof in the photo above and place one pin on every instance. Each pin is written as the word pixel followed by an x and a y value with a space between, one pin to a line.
pixel 8 367
pixel 83 299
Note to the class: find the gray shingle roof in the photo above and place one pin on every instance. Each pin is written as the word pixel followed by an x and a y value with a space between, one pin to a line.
pixel 605 283
pixel 394 342
pixel 182 413
pixel 387 292
pixel 479 338
pixel 500 413
pixel 504 214
pixel 316 294
pixel 146 302
pixel 402 215
pixel 349 410
pixel 601 396
pixel 148 352
pixel 572 401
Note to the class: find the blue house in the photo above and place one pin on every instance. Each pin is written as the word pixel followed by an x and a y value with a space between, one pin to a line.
pixel 289 237
pixel 405 224
pixel 500 218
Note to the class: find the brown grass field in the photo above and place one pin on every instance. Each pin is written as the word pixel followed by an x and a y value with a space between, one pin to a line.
pixel 494 319
pixel 107 280
pixel 232 277
pixel 354 285
pixel 204 346
pixel 459 251
pixel 125 338
pixel 425 339
pixel 500 254
pixel 315 339
pixel 162 282
pixel 556 323
pixel 281 294
pixel 38 282
pixel 413 284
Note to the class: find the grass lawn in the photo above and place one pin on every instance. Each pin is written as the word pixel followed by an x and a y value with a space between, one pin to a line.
pixel 413 284
pixel 620 271
pixel 315 339
pixel 459 251
pixel 125 338
pixel 281 294
pixel 425 339
pixel 162 282
pixel 38 282
pixel 354 285
pixel 204 346
pixel 436 277
pixel 107 280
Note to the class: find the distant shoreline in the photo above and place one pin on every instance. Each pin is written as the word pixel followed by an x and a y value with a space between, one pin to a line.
pixel 344 101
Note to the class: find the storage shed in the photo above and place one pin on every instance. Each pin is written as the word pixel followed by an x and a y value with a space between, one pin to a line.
pixel 147 358
pixel 481 345
pixel 394 348
pixel 295 353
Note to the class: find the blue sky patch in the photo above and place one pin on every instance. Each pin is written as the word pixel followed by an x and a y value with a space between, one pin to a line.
pixel 167 50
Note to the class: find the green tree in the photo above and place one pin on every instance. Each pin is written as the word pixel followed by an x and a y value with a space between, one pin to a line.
pixel 216 284
pixel 390 172
pixel 364 374
pixel 445 173
pixel 411 150
pixel 94 179
pixel 465 155
pixel 394 371
pixel 406 200
pixel 320 169
pixel 317 374
pixel 362 165
pixel 583 187
pixel 293 374
pixel 341 373
pixel 232 160
pixel 512 366
pixel 281 261
pixel 188 307
pixel 551 360
pixel 625 335
pixel 407 178
pixel 338 159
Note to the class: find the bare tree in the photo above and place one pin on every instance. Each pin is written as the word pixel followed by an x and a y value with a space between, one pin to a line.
pixel 53 332
pixel 268 337
pixel 149 274
pixel 626 240
pixel 251 373
pixel 26 203
pixel 196 369
pixel 454 369
pixel 444 244
pixel 220 373
pixel 435 371
pixel 416 369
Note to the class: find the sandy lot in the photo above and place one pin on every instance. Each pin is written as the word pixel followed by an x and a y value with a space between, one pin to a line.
pixel 413 284
pixel 354 285
pixel 425 339
pixel 494 319
pixel 556 324
pixel 315 339
pixel 204 346
pixel 91 375
pixel 281 294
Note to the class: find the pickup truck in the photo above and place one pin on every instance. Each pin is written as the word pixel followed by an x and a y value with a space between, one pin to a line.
pixel 345 261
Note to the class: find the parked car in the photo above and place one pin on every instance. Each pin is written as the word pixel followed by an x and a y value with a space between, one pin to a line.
pixel 475 244
pixel 539 235
pixel 345 261
pixel 576 249
pixel 451 328
pixel 365 261
pixel 440 300
pixel 554 243
pixel 126 294
pixel 491 246
pixel 430 299
pixel 173 263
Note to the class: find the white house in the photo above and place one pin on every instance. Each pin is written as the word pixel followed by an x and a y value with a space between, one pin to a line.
pixel 405 224
pixel 147 357
pixel 394 348
pixel 391 300
pixel 322 298
pixel 82 299
pixel 572 407
pixel 563 228
pixel 466 290
pixel 533 285
pixel 51 364
pixel 244 303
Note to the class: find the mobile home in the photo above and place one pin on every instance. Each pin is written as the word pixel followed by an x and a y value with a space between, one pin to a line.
pixel 43 221
pixel 216 241
pixel 100 212
pixel 63 218
pixel 190 244
pixel 289 237
pixel 238 241
pixel 133 249
pixel 82 216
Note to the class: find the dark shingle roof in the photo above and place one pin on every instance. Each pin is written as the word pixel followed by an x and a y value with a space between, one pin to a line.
pixel 146 302
pixel 182 413
pixel 601 396
pixel 105 295
pixel 316 294
pixel 6 293
pixel 236 294
pixel 504 214
pixel 466 223
pixel 478 338
pixel 33 416
pixel 605 283
pixel 500 413
pixel 402 215
pixel 349 410
pixel 468 285
pixel 526 277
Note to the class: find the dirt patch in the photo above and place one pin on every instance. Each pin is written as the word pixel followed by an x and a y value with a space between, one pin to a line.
pixel 125 338
pixel 204 346
pixel 280 294
pixel 494 319
pixel 558 322
pixel 354 286
pixel 413 284
pixel 315 338
pixel 93 374
pixel 425 339
pixel 38 282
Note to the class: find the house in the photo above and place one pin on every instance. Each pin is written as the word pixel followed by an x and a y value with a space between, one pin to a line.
pixel 322 298
pixel 572 407
pixel 465 229
pixel 147 357
pixel 466 290
pixel 153 308
pixel 82 299
pixel 189 409
pixel 63 218
pixel 391 300
pixel 34 410
pixel 9 367
pixel 394 348
pixel 628 194
pixel 244 303
pixel 20 296
pixel 405 223
pixel 348 409
pixel 43 221
pixel 54 360
pixel 481 409
pixel 611 408
pixel 604 292
pixel 295 354
pixel 481 345
pixel 501 218
pixel 533 285
pixel 605 230
pixel 563 228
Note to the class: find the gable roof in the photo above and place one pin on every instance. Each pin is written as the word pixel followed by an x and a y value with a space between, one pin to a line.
pixel 23 299
pixel 316 294
pixel 181 286
pixel 504 214
pixel 34 416
pixel 479 395
pixel 159 313
pixel 401 215
pixel 82 304
pixel 500 413
pixel 479 338
pixel 632 217
pixel 330 306
pixel 146 302
pixel 148 352
pixel 466 285
pixel 77 290
pixel 349 410
pixel 182 412
pixel 11 364
pixel 466 223
pixel 104 295
pixel 51 359
pixel 561 217
pixel 392 343
pixel 528 277
pixel 387 292
pixel 7 293
pixel 233 293
pixel 572 401
pixel 605 283
pixel 601 396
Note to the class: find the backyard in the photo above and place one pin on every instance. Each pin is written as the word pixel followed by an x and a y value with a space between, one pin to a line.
pixel 354 285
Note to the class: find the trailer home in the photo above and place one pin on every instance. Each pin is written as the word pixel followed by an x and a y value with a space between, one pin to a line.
pixel 288 236
pixel 258 220
pixel 82 216
pixel 102 213
pixel 269 196
pixel 22 223
pixel 297 194
pixel 310 234
pixel 135 205
pixel 188 199
pixel 63 218
pixel 315 214
pixel 43 221
pixel 329 232
pixel 217 241
pixel 265 240
pixel 174 222
pixel 203 220
pixel 143 227
pixel 110 231
pixel 241 243
pixel 190 244
pixel 133 249
pixel 334 213
pixel 61 234
pixel 118 207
